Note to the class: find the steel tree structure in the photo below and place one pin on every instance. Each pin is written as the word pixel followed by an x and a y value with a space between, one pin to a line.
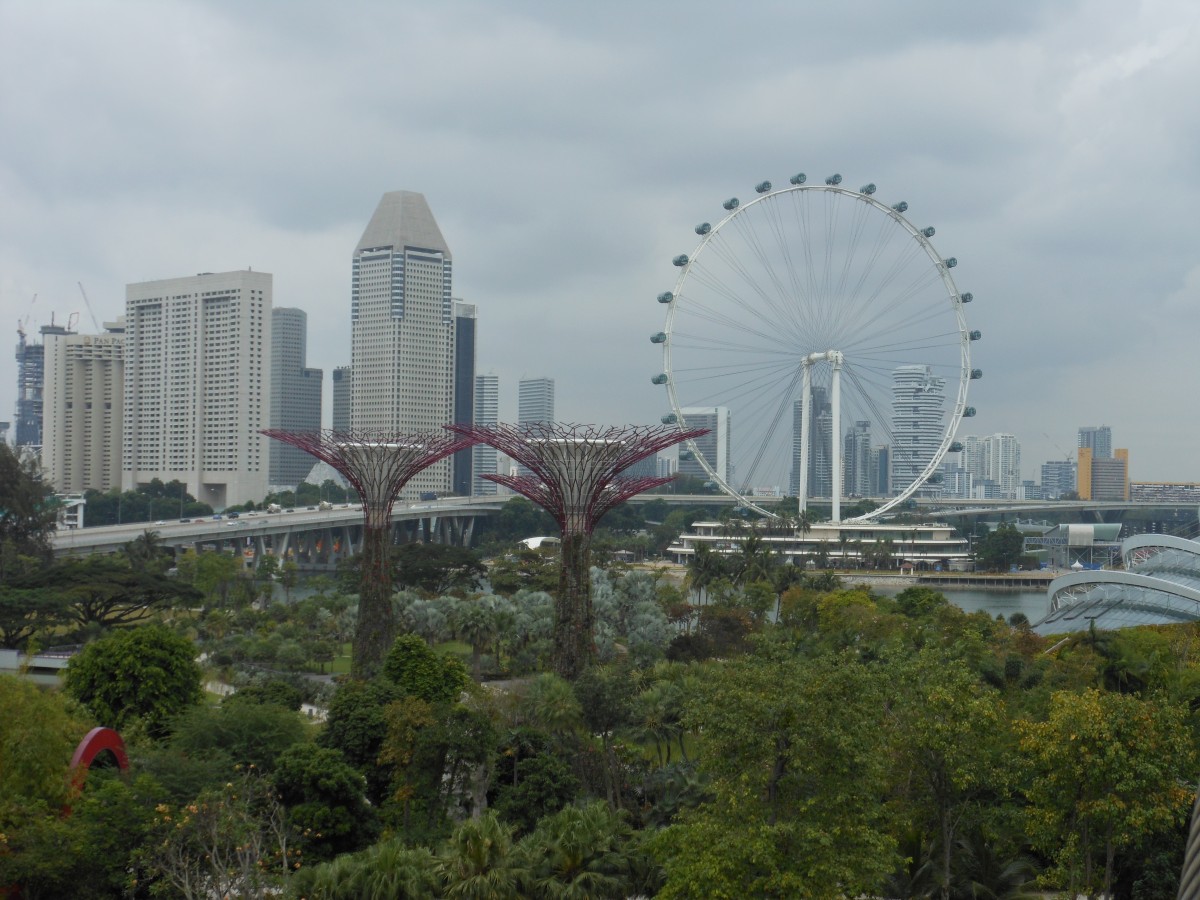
pixel 576 476
pixel 378 465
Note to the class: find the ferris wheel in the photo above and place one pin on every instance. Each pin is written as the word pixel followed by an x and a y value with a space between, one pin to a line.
pixel 821 337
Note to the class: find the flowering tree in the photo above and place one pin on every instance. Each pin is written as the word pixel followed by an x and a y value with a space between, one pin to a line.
pixel 378 465
pixel 575 474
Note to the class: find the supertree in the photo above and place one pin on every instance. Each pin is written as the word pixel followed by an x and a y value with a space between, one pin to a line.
pixel 378 465
pixel 575 475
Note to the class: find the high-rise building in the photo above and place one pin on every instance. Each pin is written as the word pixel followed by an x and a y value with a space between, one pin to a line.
pixel 918 425
pixel 856 460
pixel 31 381
pixel 82 417
pixel 343 378
pixel 535 401
pixel 881 468
pixel 1058 477
pixel 714 446
pixel 464 391
pixel 1103 478
pixel 295 395
pixel 402 328
pixel 994 465
pixel 198 384
pixel 487 412
pixel 1098 439
pixel 820 462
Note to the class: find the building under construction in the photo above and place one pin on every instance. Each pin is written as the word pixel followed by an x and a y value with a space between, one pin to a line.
pixel 31 381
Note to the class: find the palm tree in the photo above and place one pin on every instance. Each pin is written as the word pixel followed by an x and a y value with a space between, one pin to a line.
pixel 580 853
pixel 475 623
pixel 480 862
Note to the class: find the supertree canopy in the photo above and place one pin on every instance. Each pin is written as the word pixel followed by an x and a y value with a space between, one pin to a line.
pixel 378 465
pixel 575 475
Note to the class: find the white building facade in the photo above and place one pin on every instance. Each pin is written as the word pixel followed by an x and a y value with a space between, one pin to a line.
pixel 918 417
pixel 487 412
pixel 714 446
pixel 198 384
pixel 402 329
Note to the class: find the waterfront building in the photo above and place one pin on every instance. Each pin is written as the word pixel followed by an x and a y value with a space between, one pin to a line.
pixel 198 384
pixel 714 446
pixel 883 545
pixel 487 412
pixel 462 463
pixel 1103 478
pixel 295 395
pixel 82 410
pixel 343 378
pixel 1156 585
pixel 918 400
pixel 402 329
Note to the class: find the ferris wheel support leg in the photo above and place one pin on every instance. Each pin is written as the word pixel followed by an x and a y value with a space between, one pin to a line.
pixel 835 488
pixel 805 418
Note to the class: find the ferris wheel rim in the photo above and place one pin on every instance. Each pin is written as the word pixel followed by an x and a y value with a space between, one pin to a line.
pixel 953 295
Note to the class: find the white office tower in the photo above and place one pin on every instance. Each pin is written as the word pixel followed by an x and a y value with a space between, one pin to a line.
pixel 973 457
pixel 295 396
pixel 1002 457
pixel 918 399
pixel 487 412
pixel 820 461
pixel 402 329
pixel 83 398
pixel 714 446
pixel 198 384
pixel 535 401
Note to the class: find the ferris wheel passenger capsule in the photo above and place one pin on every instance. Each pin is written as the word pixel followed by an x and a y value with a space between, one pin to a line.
pixel 867 189
pixel 834 179
pixel 976 335
pixel 762 187
pixel 900 207
pixel 950 262
pixel 703 228
pixel 660 378
pixel 976 374
pixel 929 232
pixel 966 297
pixel 680 261
pixel 686 454
pixel 798 178
pixel 968 412
pixel 669 419
pixel 666 297
pixel 955 447
pixel 658 338
pixel 731 204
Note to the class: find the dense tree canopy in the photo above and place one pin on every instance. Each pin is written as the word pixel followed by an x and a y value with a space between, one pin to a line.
pixel 27 512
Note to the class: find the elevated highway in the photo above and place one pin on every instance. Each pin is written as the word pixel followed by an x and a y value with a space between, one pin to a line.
pixel 314 537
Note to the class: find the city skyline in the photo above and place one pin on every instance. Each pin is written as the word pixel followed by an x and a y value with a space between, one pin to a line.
pixel 1016 167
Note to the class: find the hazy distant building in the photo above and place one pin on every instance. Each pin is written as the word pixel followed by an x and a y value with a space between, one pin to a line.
pixel 1058 478
pixel 1103 478
pixel 918 426
pixel 1098 439
pixel 31 381
pixel 84 395
pixel 343 377
pixel 714 446
pixel 464 391
pixel 820 462
pixel 487 412
pixel 197 384
pixel 535 401
pixel 856 460
pixel 880 472
pixel 402 328
pixel 295 395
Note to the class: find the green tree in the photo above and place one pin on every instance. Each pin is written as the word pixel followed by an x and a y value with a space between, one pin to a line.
pixel 1000 549
pixel 437 568
pixel 389 869
pixel 796 760
pixel 481 863
pixel 26 612
pixel 251 734
pixel 39 733
pixel 419 671
pixel 325 801
pixel 147 673
pixel 1108 771
pixel 525 569
pixel 27 512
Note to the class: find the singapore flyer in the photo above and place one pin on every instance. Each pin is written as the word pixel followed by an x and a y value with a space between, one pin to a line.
pixel 821 336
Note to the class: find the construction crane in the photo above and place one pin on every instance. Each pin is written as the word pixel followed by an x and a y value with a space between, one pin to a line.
pixel 89 306
pixel 21 323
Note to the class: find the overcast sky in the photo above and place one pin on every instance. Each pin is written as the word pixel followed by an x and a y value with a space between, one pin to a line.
pixel 567 150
